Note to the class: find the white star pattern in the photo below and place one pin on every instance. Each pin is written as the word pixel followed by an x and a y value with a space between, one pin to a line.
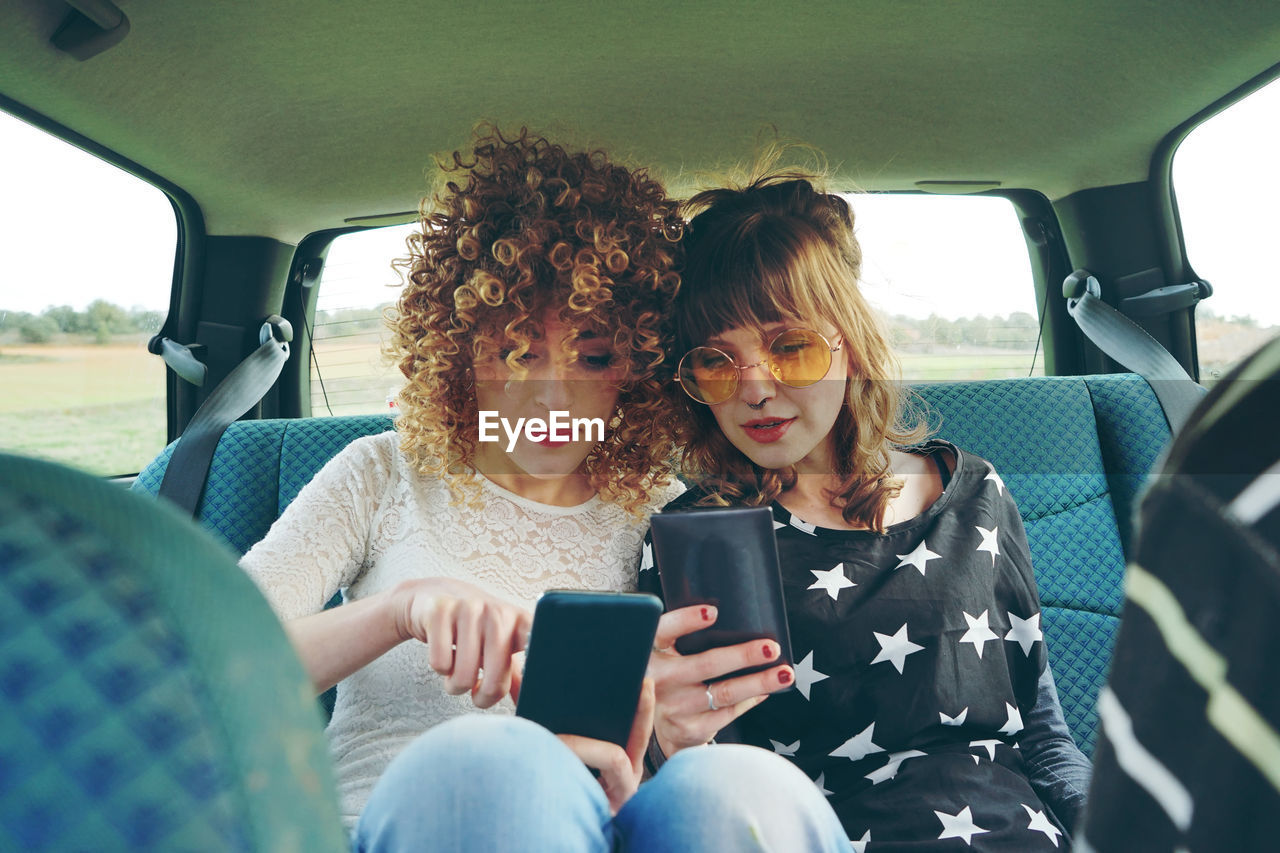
pixel 989 744
pixel 778 524
pixel 1024 632
pixel 979 632
pixel 832 580
pixel 804 525
pixel 896 648
pixel 1041 823
pixel 1014 724
pixel 994 477
pixel 785 749
pixel 890 770
pixel 959 825
pixel 989 543
pixel 919 558
pixel 957 720
pixel 806 675
pixel 860 844
pixel 859 746
pixel 646 557
pixel 821 782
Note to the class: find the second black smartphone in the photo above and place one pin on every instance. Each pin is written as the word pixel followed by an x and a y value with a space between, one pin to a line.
pixel 728 558
pixel 585 662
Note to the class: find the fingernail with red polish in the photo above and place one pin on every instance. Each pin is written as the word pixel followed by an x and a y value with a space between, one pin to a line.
pixel 706 614
pixel 784 676
pixel 767 651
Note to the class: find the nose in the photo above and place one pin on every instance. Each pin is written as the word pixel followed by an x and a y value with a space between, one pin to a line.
pixel 552 385
pixel 756 384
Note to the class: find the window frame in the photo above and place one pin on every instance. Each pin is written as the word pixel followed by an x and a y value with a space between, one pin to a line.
pixel 1169 220
pixel 185 294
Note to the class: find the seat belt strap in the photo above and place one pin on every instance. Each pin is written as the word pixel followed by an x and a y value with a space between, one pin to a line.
pixel 188 468
pixel 1129 344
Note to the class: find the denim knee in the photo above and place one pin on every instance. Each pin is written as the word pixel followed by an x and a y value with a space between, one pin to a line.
pixel 732 798
pixel 485 782
pixel 482 743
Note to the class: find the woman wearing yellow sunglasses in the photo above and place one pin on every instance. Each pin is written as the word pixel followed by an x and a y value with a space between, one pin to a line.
pixel 924 708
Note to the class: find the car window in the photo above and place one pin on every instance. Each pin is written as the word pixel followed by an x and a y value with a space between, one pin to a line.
pixel 85 278
pixel 349 373
pixel 950 274
pixel 1226 179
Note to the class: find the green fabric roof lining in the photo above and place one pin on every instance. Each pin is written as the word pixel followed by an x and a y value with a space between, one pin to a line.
pixel 288 116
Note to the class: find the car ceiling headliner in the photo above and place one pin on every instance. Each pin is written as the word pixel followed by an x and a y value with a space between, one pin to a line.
pixel 281 117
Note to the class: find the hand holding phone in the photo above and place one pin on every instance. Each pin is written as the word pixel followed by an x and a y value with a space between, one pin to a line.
pixel 619 771
pixel 584 680
pixel 698 695
pixel 727 558
pixel 723 646
pixel 586 661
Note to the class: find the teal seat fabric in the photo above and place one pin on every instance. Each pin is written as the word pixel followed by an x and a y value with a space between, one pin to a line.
pixel 259 467
pixel 1073 451
pixel 149 699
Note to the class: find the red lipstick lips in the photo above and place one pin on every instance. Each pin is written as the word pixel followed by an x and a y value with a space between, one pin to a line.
pixel 767 430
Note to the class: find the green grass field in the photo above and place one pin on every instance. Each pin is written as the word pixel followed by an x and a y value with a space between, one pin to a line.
pixel 1002 364
pixel 101 408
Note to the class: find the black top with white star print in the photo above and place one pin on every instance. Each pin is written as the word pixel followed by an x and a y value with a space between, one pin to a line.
pixel 916 653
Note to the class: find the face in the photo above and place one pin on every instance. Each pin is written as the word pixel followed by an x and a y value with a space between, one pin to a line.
pixel 584 386
pixel 775 425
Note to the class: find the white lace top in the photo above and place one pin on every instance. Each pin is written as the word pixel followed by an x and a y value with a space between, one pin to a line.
pixel 368 521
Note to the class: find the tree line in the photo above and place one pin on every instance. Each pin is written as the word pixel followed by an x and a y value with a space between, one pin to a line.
pixel 100 321
pixel 1014 331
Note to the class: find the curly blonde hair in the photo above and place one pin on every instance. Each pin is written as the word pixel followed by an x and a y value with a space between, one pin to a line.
pixel 780 247
pixel 522 227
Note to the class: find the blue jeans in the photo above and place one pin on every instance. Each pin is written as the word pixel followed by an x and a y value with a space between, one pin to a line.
pixel 504 783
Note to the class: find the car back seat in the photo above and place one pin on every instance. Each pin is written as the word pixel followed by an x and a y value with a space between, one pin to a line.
pixel 1073 451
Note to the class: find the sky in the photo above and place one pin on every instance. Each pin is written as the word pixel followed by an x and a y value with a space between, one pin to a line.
pixel 73 228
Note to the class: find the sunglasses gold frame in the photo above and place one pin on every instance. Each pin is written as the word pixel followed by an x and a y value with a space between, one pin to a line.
pixel 773 370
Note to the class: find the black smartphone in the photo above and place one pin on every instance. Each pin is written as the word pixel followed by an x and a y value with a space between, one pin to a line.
pixel 728 558
pixel 585 662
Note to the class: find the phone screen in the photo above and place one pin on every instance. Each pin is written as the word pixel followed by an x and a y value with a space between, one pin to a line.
pixel 585 662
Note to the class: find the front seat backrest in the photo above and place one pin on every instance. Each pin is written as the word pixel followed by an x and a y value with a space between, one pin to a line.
pixel 149 699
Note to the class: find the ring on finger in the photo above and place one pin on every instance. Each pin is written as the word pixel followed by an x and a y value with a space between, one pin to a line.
pixel 711 701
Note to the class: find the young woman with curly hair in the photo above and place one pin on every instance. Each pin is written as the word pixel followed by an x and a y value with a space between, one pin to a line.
pixel 902 562
pixel 541 282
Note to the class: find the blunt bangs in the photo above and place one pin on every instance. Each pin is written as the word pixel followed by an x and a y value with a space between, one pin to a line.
pixel 768 268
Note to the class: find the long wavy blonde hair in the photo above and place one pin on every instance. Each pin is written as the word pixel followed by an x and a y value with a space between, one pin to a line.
pixel 523 227
pixel 775 248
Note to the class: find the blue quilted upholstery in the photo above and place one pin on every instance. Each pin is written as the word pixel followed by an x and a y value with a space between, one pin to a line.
pixel 146 776
pixel 132 708
pixel 1040 435
pixel 1132 431
pixel 1080 643
pixel 1073 451
pixel 309 445
pixel 247 488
